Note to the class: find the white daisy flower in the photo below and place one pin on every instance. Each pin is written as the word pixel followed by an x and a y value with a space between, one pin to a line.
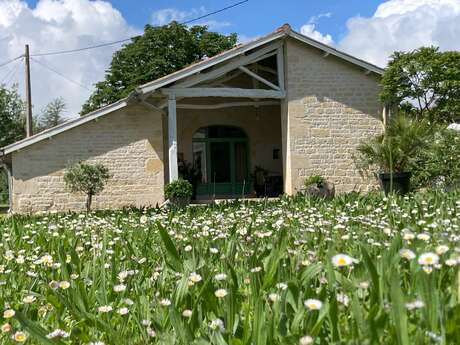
pixel 428 258
pixel 407 254
pixel 165 302
pixel 187 313
pixel 194 277
pixel 220 293
pixel 442 249
pixel 306 340
pixel 342 260
pixel 313 304
pixel 104 309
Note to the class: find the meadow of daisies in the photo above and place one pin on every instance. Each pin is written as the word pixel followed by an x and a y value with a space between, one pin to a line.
pixel 353 270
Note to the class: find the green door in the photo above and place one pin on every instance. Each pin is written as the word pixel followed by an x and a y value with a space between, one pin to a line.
pixel 220 153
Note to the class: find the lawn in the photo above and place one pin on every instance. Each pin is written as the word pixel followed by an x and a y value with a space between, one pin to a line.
pixel 354 270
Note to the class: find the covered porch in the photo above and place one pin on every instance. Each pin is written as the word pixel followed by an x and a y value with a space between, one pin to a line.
pixel 225 125
pixel 231 152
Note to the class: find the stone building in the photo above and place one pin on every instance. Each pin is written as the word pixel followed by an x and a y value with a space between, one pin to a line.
pixel 284 103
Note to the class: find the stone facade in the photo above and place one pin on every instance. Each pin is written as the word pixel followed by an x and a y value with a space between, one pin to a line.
pixel 128 142
pixel 331 106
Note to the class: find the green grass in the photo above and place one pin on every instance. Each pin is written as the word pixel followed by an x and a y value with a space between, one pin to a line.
pixel 237 273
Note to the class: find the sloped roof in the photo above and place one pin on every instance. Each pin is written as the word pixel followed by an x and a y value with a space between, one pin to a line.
pixel 281 32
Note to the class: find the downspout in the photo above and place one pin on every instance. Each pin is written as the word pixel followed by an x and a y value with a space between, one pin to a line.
pixel 10 183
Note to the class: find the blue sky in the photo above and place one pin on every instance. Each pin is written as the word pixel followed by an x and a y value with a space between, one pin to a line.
pixel 256 17
pixel 369 29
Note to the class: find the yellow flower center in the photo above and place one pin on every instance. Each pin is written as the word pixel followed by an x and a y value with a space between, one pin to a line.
pixel 341 261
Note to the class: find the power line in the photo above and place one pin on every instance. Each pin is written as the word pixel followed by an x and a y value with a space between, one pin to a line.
pixel 215 12
pixel 60 74
pixel 10 61
pixel 82 49
pixel 10 75
pixel 59 52
pixel 7 74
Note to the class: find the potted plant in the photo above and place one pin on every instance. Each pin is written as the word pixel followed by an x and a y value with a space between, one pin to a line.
pixel 188 172
pixel 260 178
pixel 391 154
pixel 317 186
pixel 179 192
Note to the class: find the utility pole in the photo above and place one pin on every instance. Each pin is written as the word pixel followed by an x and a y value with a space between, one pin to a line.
pixel 29 131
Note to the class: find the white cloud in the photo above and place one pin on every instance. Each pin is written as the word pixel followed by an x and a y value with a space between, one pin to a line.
pixel 309 29
pixel 397 25
pixel 315 19
pixel 167 15
pixel 54 25
pixel 403 25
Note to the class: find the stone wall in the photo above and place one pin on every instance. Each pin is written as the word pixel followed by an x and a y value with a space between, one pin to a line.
pixel 128 142
pixel 331 106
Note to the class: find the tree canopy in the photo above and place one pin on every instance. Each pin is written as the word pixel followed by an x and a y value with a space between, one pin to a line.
pixel 86 178
pixel 424 83
pixel 160 51
pixel 51 115
pixel 11 116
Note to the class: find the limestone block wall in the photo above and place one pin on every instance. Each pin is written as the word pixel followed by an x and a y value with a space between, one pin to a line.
pixel 128 142
pixel 331 106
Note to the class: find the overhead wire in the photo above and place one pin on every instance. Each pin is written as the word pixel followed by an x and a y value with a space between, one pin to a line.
pixel 215 12
pixel 101 45
pixel 11 75
pixel 60 74
pixel 10 61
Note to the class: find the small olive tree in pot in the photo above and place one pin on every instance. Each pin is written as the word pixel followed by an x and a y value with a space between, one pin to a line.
pixel 86 178
pixel 390 154
pixel 179 192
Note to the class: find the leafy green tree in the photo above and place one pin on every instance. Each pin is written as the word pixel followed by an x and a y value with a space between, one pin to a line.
pixel 3 187
pixel 86 178
pixel 11 128
pixel 51 115
pixel 161 50
pixel 424 83
pixel 11 116
pixel 438 162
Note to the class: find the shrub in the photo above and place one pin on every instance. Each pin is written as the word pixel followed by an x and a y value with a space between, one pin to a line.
pixel 3 187
pixel 317 180
pixel 179 189
pixel 86 178
pixel 439 161
pixel 395 150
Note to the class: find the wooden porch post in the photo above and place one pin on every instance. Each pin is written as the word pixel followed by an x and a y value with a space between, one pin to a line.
pixel 172 138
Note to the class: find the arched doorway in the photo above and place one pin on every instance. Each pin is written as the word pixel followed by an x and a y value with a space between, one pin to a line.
pixel 221 156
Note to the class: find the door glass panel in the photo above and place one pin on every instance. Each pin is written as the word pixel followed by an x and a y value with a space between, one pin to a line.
pixel 199 160
pixel 241 162
pixel 220 162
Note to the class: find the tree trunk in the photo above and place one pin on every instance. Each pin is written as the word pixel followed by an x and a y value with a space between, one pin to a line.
pixel 89 199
